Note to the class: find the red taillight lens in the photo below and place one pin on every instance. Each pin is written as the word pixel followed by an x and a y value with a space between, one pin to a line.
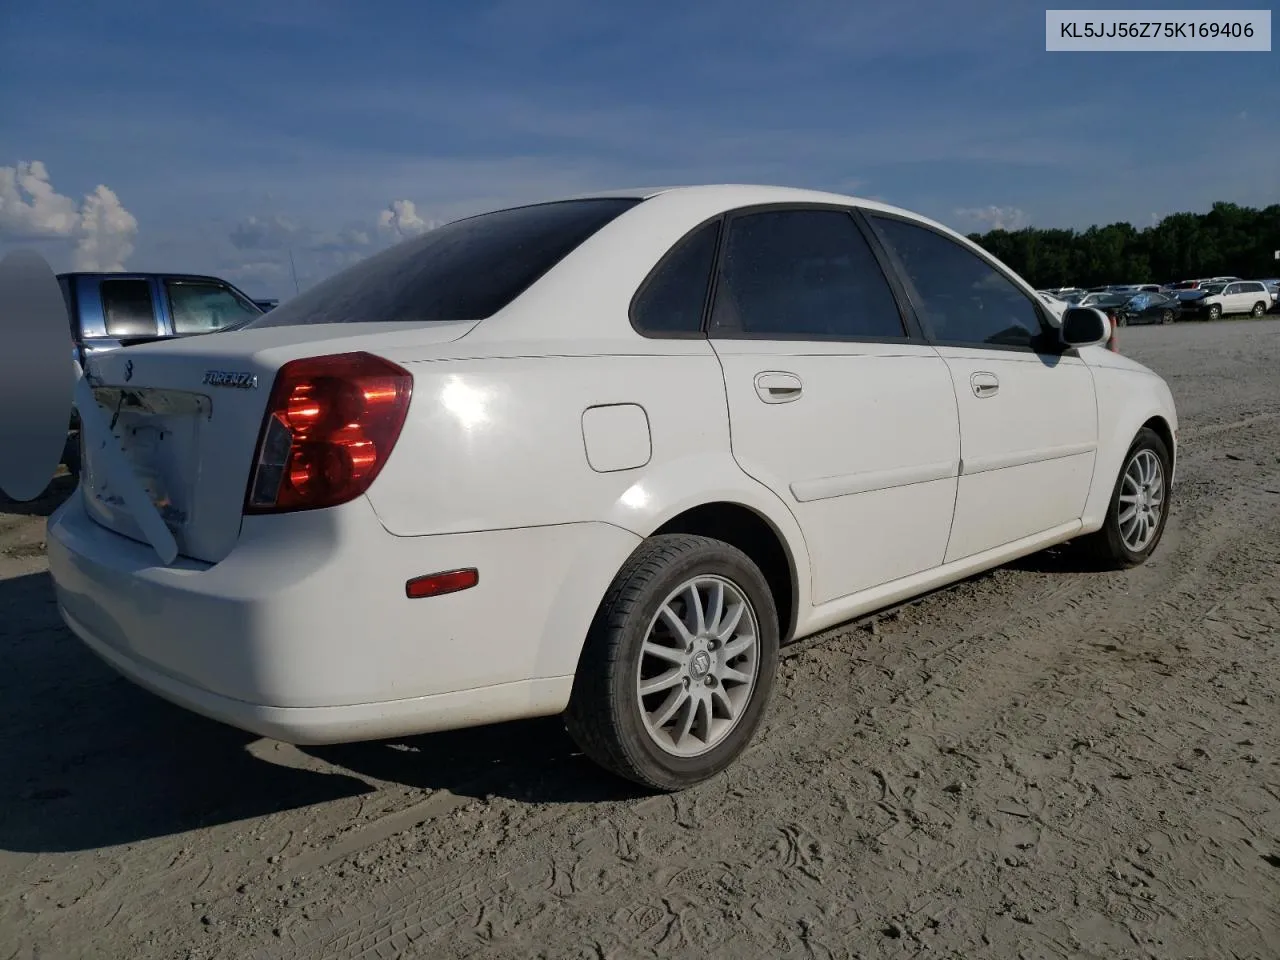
pixel 330 425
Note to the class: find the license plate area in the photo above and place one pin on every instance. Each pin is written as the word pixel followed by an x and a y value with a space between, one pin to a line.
pixel 159 434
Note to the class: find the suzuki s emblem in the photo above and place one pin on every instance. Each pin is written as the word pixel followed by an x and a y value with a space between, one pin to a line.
pixel 227 378
pixel 128 371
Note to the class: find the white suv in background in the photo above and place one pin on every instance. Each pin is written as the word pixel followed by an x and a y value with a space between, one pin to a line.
pixel 1242 296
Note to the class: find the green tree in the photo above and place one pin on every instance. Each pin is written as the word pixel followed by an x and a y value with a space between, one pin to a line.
pixel 1228 240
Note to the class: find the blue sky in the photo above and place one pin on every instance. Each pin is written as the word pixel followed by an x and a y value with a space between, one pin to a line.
pixel 229 132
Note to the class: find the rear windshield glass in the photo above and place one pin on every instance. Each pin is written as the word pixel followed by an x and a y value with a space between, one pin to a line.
pixel 466 270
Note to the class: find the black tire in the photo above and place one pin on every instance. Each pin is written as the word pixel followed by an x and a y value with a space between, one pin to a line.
pixel 1166 317
pixel 1214 312
pixel 1106 547
pixel 604 714
pixel 1259 309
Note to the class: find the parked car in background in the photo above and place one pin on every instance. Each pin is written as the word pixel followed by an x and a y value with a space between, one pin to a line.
pixel 536 463
pixel 1273 287
pixel 1103 299
pixel 1146 307
pixel 112 310
pixel 1227 299
pixel 108 311
pixel 1202 283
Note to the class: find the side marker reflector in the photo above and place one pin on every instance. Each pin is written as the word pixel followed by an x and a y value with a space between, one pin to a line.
pixel 435 584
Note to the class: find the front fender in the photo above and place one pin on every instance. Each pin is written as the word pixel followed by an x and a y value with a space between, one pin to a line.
pixel 1127 400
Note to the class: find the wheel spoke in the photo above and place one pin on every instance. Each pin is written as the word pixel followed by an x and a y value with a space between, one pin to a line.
pixel 669 654
pixel 731 675
pixel 664 681
pixel 730 622
pixel 737 647
pixel 721 696
pixel 715 609
pixel 1128 515
pixel 675 700
pixel 676 623
pixel 692 708
pixel 695 607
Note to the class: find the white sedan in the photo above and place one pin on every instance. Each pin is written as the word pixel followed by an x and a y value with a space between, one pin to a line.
pixel 597 457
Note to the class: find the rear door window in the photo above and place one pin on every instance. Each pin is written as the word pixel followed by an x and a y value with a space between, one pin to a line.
pixel 128 308
pixel 466 270
pixel 199 306
pixel 802 274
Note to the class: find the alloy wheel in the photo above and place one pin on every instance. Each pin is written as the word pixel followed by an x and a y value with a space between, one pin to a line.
pixel 698 666
pixel 1142 500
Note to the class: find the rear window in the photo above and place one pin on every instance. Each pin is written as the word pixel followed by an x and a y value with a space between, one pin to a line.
pixel 128 308
pixel 466 270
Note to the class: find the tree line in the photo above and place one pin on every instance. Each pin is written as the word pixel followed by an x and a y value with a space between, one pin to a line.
pixel 1229 240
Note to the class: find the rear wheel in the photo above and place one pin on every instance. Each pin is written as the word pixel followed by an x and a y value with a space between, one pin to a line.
pixel 1139 506
pixel 1259 309
pixel 679 663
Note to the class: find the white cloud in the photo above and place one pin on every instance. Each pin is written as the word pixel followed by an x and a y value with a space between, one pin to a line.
pixel 263 233
pixel 400 219
pixel 993 217
pixel 31 209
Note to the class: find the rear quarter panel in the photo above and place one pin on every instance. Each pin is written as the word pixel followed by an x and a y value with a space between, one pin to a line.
pixel 499 443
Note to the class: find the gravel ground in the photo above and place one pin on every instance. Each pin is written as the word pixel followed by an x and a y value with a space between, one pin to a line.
pixel 1039 762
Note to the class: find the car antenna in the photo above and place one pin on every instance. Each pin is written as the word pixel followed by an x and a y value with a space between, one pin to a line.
pixel 293 270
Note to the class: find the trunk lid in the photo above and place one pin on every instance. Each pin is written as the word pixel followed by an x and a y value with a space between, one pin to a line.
pixel 188 412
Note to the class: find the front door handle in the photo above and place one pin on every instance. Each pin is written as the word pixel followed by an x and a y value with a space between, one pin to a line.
pixel 985 384
pixel 775 386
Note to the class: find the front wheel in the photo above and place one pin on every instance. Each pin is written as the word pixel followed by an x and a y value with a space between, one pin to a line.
pixel 1139 506
pixel 678 665
pixel 1215 312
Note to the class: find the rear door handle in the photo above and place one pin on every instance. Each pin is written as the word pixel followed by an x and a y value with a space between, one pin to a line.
pixel 775 386
pixel 985 384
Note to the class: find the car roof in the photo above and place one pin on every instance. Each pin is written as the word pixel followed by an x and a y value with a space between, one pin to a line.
pixel 131 274
pixel 732 195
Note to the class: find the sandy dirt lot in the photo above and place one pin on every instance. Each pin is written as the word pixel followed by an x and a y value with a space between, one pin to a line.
pixel 1039 762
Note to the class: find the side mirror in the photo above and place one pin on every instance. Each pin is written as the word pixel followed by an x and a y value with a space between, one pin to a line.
pixel 1085 327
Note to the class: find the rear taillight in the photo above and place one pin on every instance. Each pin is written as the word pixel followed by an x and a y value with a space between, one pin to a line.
pixel 330 425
